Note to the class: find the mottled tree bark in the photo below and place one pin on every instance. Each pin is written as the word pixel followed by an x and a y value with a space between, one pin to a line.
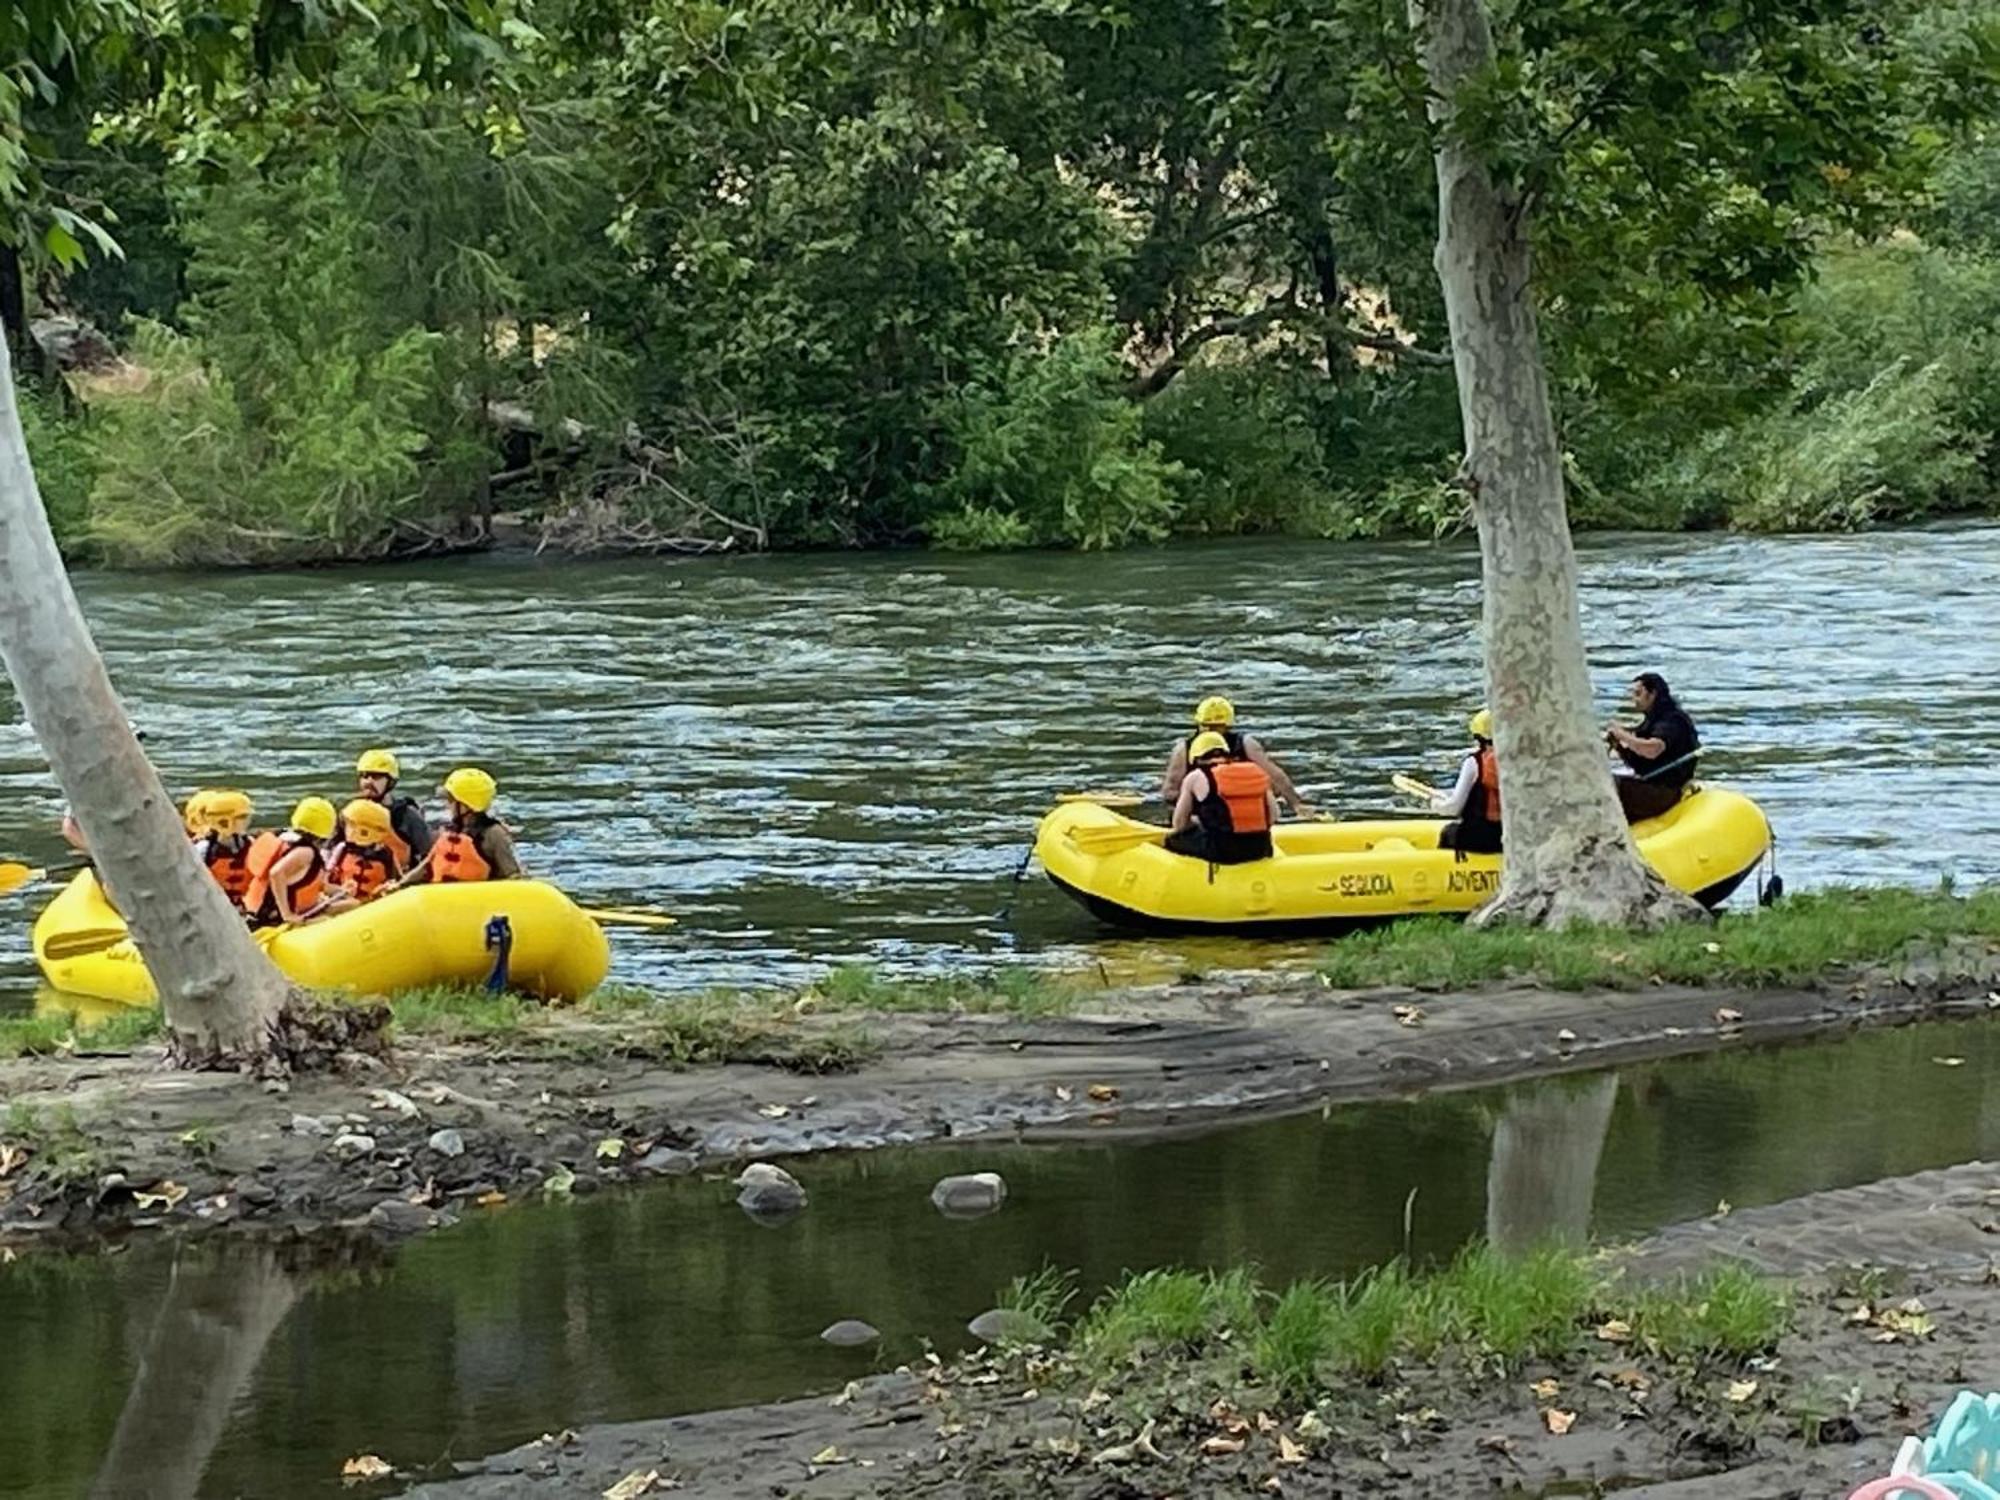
pixel 1569 854
pixel 219 991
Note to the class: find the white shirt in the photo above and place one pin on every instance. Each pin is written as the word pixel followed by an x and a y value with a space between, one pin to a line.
pixel 1452 803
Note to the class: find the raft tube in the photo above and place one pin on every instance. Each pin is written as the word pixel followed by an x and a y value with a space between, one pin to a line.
pixel 1331 876
pixel 422 935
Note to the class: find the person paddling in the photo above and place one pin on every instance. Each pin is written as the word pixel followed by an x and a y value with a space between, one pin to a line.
pixel 362 863
pixel 375 776
pixel 472 844
pixel 219 823
pixel 1473 803
pixel 1217 716
pixel 1225 808
pixel 288 870
pixel 1660 753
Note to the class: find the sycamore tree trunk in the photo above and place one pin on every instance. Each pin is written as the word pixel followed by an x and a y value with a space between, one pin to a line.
pixel 1569 856
pixel 219 991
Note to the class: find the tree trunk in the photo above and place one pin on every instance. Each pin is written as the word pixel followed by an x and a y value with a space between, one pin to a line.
pixel 219 991
pixel 206 1343
pixel 1569 855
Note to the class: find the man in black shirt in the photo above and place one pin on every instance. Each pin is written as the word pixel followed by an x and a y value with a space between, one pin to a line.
pixel 1660 753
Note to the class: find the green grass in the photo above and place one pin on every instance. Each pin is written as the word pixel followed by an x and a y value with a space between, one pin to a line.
pixel 1015 990
pixel 1801 938
pixel 1500 1311
pixel 44 1035
pixel 1042 1300
pixel 64 1151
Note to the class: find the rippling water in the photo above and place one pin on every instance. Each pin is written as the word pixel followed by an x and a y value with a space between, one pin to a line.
pixel 825 759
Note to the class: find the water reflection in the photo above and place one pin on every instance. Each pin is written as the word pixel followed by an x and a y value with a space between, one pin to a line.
pixel 530 1319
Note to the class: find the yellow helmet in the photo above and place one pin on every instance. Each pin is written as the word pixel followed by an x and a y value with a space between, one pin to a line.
pixel 1214 710
pixel 1481 725
pixel 1207 744
pixel 366 822
pixel 194 816
pixel 227 811
pixel 378 763
pixel 314 816
pixel 471 786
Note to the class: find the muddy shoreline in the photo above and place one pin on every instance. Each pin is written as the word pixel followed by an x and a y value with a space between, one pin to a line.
pixel 99 1147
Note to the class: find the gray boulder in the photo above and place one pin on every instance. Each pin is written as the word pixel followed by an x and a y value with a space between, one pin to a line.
pixel 1007 1325
pixel 969 1196
pixel 769 1194
pixel 849 1333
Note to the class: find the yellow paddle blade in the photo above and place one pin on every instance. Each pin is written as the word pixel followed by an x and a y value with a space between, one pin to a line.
pixel 1104 799
pixel 14 875
pixel 1112 840
pixel 616 916
pixel 83 940
pixel 1411 787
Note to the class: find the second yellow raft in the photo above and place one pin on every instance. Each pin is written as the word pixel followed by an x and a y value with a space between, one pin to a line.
pixel 1329 875
pixel 425 934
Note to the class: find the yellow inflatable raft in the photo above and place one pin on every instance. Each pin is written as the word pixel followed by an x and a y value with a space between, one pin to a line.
pixel 427 934
pixel 1330 875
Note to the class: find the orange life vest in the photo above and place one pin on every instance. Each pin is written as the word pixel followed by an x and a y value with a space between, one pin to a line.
pixel 456 856
pixel 230 865
pixel 259 899
pixel 1243 790
pixel 1489 787
pixel 364 871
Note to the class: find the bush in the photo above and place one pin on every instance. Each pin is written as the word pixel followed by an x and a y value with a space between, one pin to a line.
pixel 59 445
pixel 1052 454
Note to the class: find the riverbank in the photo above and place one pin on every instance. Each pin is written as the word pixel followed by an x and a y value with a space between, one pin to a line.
pixel 485 1101
pixel 1559 1376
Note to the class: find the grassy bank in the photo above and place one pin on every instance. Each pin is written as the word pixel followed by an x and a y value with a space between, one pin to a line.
pixel 1799 940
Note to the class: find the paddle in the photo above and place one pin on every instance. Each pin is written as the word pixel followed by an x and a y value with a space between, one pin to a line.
pixel 14 875
pixel 625 916
pixel 1112 840
pixel 1409 786
pixel 1104 799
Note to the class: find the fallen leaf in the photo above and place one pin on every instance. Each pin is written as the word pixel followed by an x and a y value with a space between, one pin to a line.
pixel 1496 1442
pixel 162 1195
pixel 1275 1485
pixel 610 1148
pixel 1615 1331
pixel 1727 1017
pixel 1545 1390
pixel 633 1485
pixel 1408 1015
pixel 1740 1391
pixel 1102 1092
pixel 558 1439
pixel 1673 1031
pixel 1289 1452
pixel 1266 1422
pixel 1066 1447
pixel 1095 1399
pixel 773 1111
pixel 365 1466
pixel 1313 1426
pixel 12 1157
pixel 1065 1094
pixel 829 1455
pixel 1949 1062
pixel 1558 1422
pixel 1219 1445
pixel 1565 1037
pixel 1711 947
pixel 1862 1314
pixel 1721 1209
pixel 847 1393
pixel 1637 1381
pixel 491 1198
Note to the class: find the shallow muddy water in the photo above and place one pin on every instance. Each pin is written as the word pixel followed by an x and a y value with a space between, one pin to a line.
pixel 237 1371
pixel 815 760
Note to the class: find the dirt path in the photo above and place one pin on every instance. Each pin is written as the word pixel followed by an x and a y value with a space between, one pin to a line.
pixel 111 1142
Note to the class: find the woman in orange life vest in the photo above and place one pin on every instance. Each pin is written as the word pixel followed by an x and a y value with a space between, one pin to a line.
pixel 288 870
pixel 1216 715
pixel 219 822
pixel 1473 804
pixel 362 862
pixel 473 844
pixel 1226 807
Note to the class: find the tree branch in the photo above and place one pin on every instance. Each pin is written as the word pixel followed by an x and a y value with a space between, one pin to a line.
pixel 1283 310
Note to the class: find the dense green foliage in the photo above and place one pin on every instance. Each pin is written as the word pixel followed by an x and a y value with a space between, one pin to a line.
pixel 1069 272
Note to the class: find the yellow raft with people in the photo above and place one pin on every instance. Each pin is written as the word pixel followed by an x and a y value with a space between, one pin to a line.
pixel 1329 875
pixel 453 933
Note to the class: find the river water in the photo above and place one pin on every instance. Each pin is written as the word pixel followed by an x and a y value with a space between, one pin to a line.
pixel 242 1371
pixel 815 760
